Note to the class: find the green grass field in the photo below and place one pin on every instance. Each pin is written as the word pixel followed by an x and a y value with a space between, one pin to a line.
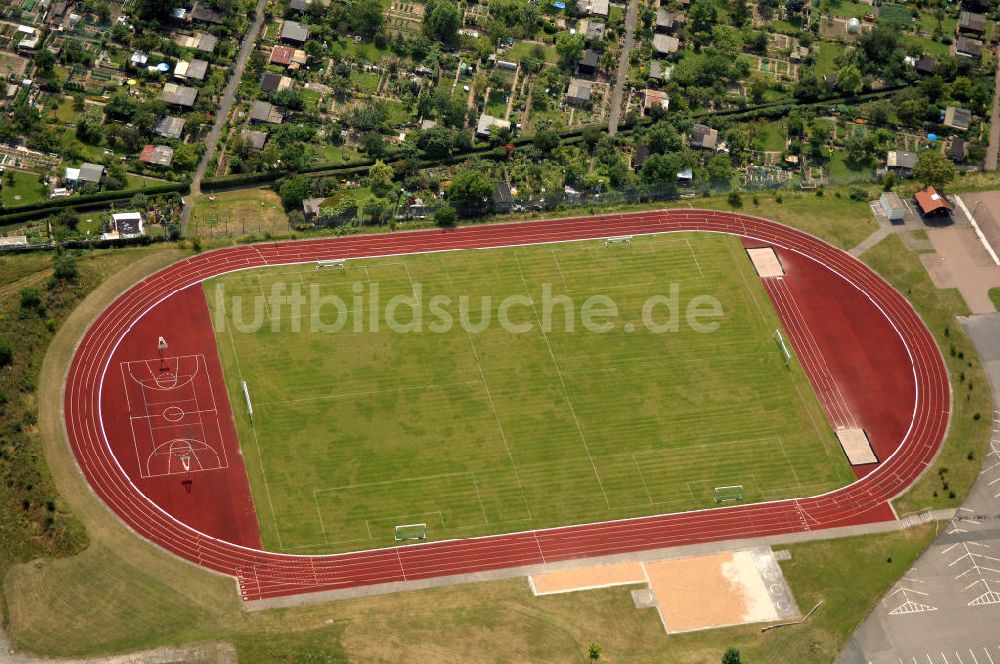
pixel 490 431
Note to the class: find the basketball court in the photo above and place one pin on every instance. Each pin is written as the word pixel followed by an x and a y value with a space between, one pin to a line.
pixel 173 415
pixel 693 593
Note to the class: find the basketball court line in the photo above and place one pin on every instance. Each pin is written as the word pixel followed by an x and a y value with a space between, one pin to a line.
pixel 154 410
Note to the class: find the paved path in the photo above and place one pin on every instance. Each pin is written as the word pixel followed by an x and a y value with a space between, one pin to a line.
pixel 616 96
pixel 947 606
pixel 994 148
pixel 880 234
pixel 225 105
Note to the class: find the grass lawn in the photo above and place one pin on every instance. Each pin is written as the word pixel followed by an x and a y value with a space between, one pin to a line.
pixel 364 81
pixel 953 472
pixel 995 297
pixel 236 213
pixel 65 112
pixel 499 431
pixel 495 105
pixel 522 49
pixel 25 189
pixel 826 59
pixel 846 9
pixel 773 137
pixel 924 45
pixel 136 181
pixel 843 169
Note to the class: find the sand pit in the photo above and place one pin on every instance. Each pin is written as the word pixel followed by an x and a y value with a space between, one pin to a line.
pixel 703 592
pixel 766 262
pixel 587 578
pixel 856 446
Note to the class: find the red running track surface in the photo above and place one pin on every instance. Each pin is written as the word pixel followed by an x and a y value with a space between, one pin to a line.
pixel 264 574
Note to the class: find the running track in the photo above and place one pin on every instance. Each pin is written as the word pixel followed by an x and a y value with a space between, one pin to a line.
pixel 263 574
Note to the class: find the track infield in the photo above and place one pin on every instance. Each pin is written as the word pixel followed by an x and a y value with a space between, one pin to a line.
pixel 889 379
pixel 482 429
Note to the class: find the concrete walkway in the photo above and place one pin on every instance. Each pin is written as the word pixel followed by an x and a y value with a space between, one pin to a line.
pixel 882 232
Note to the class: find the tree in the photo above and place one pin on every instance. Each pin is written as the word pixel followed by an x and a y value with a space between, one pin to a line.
pixel 732 656
pixel 849 79
pixel 6 354
pixel 116 177
pixel 380 178
pixel 365 17
pixel 377 209
pixel 373 145
pixel 90 130
pixel 594 652
pixel 441 21
pixel 445 216
pixel 547 139
pixel 934 169
pixel 44 62
pixel 471 192
pixel 293 191
pixel 701 18
pixel 64 266
pixel 436 142
pixel 720 168
pixel 569 47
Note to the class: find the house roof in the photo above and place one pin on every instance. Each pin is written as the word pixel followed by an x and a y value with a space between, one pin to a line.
pixel 595 30
pixel 666 44
pixel 589 59
pixel 891 200
pixel 655 98
pixel 703 136
pixel 311 206
pixel 930 201
pixel 160 155
pixel 294 31
pixel 899 159
pixel 659 71
pixel 282 55
pixel 593 7
pixel 205 14
pixel 91 172
pixel 299 5
pixel 487 121
pixel 579 90
pixel 179 95
pixel 968 46
pixel 256 139
pixel 502 194
pixel 972 22
pixel 640 155
pixel 169 127
pixel 926 64
pixel 956 149
pixel 263 111
pixel 957 118
pixel 664 19
pixel 270 82
pixel 195 70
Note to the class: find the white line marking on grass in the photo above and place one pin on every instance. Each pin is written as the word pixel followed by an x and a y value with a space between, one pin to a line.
pixel 643 480
pixel 256 441
pixel 559 268
pixel 481 505
pixel 695 257
pixel 562 381
pixel 493 406
pixel 319 512
pixel 348 395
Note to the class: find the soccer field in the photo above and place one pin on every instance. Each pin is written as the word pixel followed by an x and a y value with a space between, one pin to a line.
pixel 493 426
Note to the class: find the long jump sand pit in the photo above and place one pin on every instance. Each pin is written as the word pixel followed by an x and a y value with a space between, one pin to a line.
pixel 696 593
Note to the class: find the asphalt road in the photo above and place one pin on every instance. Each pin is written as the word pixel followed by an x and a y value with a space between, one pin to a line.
pixel 616 95
pixel 994 146
pixel 225 105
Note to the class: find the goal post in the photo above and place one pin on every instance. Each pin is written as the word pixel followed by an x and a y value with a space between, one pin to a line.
pixel 786 353
pixel 729 494
pixel 336 263
pixel 618 239
pixel 246 395
pixel 411 531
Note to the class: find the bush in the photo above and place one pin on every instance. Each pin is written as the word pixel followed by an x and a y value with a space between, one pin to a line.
pixel 858 194
pixel 446 216
pixel 64 266
pixel 196 245
pixel 6 354
pixel 31 299
pixel 734 199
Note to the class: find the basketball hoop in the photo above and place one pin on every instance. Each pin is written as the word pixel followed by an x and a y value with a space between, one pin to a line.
pixel 186 462
pixel 161 345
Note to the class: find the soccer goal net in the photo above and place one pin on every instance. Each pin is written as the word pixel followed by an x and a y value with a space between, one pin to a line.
pixel 620 239
pixel 336 263
pixel 246 394
pixel 411 531
pixel 726 494
pixel 786 353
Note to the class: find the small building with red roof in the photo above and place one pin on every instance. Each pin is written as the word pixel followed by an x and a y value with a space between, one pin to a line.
pixel 932 203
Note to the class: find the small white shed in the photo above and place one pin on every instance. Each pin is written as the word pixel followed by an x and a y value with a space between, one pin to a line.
pixel 892 206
